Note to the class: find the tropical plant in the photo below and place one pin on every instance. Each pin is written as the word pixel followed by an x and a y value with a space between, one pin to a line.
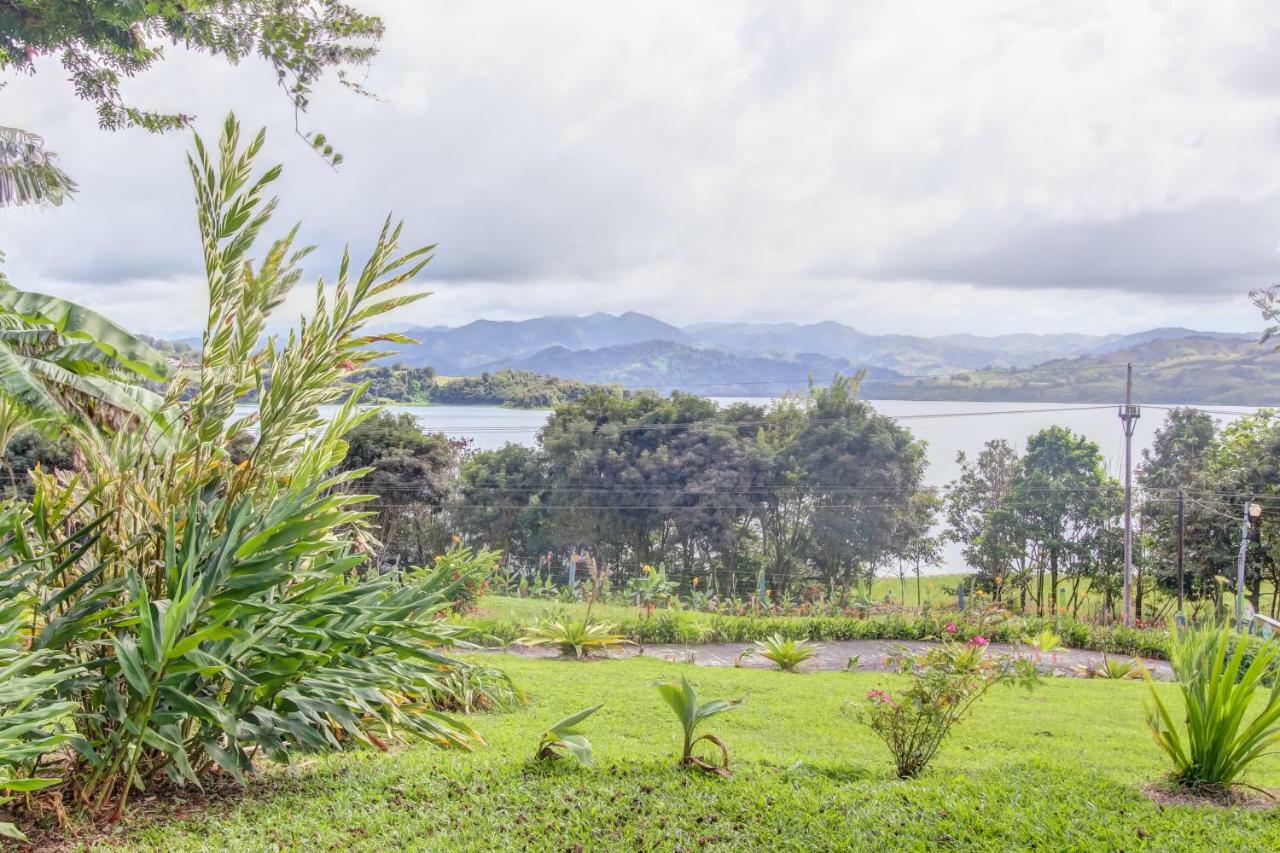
pixel 1112 668
pixel 651 588
pixel 945 682
pixel 62 365
pixel 1045 642
pixel 683 699
pixel 579 638
pixel 1218 689
pixel 218 609
pixel 565 735
pixel 786 654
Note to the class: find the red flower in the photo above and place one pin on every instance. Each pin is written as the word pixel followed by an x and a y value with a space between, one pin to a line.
pixel 951 628
pixel 978 641
pixel 347 364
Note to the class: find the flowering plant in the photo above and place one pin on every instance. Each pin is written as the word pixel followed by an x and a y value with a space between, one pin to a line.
pixel 944 683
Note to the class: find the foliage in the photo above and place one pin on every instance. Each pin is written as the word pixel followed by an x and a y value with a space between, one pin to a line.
pixel 683 699
pixel 64 366
pixel 786 655
pixel 1113 669
pixel 1218 745
pixel 651 588
pixel 1045 642
pixel 216 610
pixel 944 684
pixel 28 173
pixel 565 735
pixel 577 638
pixel 102 42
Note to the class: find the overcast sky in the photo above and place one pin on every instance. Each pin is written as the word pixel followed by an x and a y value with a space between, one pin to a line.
pixel 920 168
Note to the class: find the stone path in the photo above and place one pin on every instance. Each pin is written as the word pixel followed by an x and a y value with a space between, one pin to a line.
pixel 835 655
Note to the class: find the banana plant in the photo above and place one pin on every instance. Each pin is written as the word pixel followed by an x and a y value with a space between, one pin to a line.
pixel 565 735
pixel 683 699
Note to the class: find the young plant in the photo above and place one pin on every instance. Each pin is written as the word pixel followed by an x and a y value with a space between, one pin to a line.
pixel 576 638
pixel 683 699
pixel 1046 642
pixel 786 655
pixel 1218 745
pixel 945 682
pixel 564 735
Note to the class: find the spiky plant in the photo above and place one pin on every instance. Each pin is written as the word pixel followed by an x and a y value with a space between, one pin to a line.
pixel 1216 744
pixel 785 654
pixel 576 638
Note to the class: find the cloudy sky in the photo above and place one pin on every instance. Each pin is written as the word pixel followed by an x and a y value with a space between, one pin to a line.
pixel 920 168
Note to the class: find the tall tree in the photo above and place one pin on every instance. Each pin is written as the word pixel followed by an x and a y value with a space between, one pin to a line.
pixel 980 518
pixel 1063 497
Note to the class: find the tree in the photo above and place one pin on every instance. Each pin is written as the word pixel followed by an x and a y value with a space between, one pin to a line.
pixel 1182 459
pixel 980 518
pixel 1063 499
pixel 501 495
pixel 101 42
pixel 413 475
pixel 28 173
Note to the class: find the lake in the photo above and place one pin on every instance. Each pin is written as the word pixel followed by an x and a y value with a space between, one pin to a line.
pixel 946 427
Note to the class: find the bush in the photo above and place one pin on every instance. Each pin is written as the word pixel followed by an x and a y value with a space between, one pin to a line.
pixel 945 682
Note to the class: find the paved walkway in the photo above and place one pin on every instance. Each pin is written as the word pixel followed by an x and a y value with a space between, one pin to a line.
pixel 836 655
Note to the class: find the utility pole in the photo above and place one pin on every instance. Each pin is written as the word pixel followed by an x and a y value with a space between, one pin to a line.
pixel 1251 510
pixel 1182 539
pixel 1129 415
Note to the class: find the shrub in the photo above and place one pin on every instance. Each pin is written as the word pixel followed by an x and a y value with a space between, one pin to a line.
pixel 683 699
pixel 945 682
pixel 1217 688
pixel 564 735
pixel 786 655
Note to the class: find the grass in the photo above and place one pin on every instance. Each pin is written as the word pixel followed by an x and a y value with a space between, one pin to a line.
pixel 1062 768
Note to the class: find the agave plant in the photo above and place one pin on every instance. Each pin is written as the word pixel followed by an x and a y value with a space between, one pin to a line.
pixel 213 609
pixel 578 638
pixel 1112 668
pixel 1218 689
pixel 565 735
pixel 786 655
pixel 683 699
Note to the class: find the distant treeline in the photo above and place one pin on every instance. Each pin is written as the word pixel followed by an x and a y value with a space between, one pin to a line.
pixel 515 388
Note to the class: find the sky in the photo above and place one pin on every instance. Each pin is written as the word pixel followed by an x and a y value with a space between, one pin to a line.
pixel 909 167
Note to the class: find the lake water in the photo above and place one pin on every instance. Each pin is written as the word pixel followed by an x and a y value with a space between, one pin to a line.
pixel 946 427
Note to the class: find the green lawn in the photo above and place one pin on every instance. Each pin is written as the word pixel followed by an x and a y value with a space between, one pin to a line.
pixel 1062 768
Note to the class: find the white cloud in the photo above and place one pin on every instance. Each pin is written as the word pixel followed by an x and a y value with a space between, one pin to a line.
pixel 734 160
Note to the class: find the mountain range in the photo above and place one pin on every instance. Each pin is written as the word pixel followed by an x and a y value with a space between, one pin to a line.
pixel 636 350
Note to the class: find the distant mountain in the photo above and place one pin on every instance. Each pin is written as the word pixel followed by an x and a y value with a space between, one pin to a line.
pixel 1217 369
pixel 464 349
pixel 1167 333
pixel 665 365
pixel 636 350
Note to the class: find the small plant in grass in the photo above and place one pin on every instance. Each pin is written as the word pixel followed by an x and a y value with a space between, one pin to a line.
pixel 945 682
pixel 683 699
pixel 565 736
pixel 1112 668
pixel 1216 745
pixel 786 655
pixel 853 663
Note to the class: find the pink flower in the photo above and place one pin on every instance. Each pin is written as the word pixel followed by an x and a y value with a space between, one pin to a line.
pixel 881 697
pixel 979 640
pixel 951 628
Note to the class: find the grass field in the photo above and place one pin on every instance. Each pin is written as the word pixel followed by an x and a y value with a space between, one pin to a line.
pixel 1061 768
